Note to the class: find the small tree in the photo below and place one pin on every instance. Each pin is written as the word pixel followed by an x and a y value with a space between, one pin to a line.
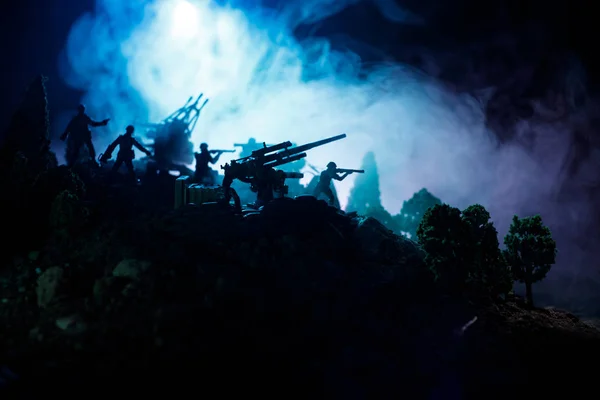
pixel 530 251
pixel 443 236
pixel 489 272
pixel 462 250
pixel 413 211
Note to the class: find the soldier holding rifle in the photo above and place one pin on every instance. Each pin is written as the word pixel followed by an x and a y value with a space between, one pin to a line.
pixel 331 173
pixel 204 173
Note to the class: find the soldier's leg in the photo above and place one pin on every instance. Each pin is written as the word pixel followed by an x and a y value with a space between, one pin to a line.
pixel 72 152
pixel 329 193
pixel 130 170
pixel 212 177
pixel 317 191
pixel 117 164
pixel 91 149
pixel 206 177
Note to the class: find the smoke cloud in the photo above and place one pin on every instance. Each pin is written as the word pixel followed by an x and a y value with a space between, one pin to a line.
pixel 139 60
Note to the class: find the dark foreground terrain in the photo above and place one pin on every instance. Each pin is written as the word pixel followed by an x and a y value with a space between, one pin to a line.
pixel 106 289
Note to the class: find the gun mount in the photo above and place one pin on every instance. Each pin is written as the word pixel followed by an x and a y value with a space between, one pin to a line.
pixel 172 147
pixel 258 168
pixel 246 149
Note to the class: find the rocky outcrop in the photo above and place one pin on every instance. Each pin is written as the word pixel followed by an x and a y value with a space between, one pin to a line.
pixel 300 292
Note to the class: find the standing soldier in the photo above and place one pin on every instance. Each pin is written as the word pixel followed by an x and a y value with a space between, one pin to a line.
pixel 204 173
pixel 324 185
pixel 125 155
pixel 79 134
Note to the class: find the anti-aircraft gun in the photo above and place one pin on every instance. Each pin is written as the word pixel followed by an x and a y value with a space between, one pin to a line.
pixel 259 171
pixel 172 147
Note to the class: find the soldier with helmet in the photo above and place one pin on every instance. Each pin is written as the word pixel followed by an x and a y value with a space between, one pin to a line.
pixel 324 185
pixel 126 142
pixel 204 173
pixel 79 134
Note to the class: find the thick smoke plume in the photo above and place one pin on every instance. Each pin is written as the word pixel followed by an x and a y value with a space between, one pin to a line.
pixel 140 60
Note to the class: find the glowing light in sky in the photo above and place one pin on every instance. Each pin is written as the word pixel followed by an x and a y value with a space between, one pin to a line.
pixel 185 20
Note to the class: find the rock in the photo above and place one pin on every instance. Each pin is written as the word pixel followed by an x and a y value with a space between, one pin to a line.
pixel 71 324
pixel 109 287
pixel 375 241
pixel 49 286
pixel 131 268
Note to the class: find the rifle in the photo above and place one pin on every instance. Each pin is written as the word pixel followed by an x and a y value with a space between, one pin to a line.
pixel 349 171
pixel 107 155
pixel 221 151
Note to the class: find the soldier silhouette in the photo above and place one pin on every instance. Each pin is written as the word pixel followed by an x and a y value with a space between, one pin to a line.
pixel 324 185
pixel 79 134
pixel 126 142
pixel 204 173
pixel 248 148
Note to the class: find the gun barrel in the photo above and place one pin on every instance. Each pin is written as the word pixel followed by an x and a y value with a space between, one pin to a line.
pixel 222 151
pixel 285 160
pixel 308 146
pixel 270 149
pixel 349 171
pixel 303 148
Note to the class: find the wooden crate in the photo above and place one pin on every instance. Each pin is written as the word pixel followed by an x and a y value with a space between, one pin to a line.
pixel 181 191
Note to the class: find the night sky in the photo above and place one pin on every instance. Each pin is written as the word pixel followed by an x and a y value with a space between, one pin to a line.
pixel 33 34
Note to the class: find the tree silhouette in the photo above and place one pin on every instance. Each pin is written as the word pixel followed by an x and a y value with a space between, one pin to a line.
pixel 530 251
pixel 413 211
pixel 443 236
pixel 462 250
pixel 365 195
pixel 489 272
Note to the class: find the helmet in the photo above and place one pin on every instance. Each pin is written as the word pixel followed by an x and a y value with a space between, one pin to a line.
pixel 129 129
pixel 81 108
pixel 251 140
pixel 331 165
pixel 204 146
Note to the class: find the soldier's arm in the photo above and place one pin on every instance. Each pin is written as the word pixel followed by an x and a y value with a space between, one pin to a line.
pixel 140 147
pixel 67 131
pixel 95 124
pixel 340 177
pixel 113 145
pixel 214 159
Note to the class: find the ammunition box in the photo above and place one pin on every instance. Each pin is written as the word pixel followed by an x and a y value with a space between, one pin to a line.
pixel 181 185
pixel 200 194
